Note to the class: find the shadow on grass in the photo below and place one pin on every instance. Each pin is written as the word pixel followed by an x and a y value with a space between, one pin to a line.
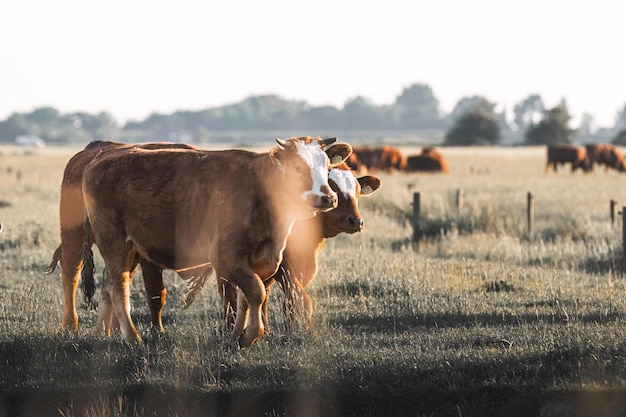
pixel 156 401
pixel 498 386
pixel 139 401
pixel 391 324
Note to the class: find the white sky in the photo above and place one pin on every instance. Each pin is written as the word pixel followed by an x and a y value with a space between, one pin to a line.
pixel 135 57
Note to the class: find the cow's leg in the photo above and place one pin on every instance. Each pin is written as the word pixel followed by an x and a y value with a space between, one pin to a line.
pixel 106 318
pixel 110 322
pixel 265 310
pixel 297 301
pixel 119 261
pixel 229 297
pixel 119 291
pixel 253 289
pixel 241 317
pixel 72 216
pixel 71 263
pixel 155 292
pixel 307 307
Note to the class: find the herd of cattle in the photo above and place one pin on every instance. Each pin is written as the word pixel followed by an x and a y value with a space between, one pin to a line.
pixel 391 159
pixel 585 157
pixel 248 219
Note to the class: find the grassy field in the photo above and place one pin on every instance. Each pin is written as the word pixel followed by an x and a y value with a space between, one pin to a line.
pixel 482 318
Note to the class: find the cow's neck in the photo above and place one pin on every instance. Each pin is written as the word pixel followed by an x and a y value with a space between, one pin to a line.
pixel 306 235
pixel 285 210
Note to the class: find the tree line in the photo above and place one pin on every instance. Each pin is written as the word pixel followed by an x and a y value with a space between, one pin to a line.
pixel 473 121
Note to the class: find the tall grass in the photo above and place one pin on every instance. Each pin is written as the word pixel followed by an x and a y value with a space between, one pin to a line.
pixel 481 318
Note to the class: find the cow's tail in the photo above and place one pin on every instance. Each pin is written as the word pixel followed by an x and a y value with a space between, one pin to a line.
pixel 88 282
pixel 56 257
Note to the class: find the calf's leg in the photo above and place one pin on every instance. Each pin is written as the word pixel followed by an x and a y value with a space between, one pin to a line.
pixel 252 287
pixel 155 292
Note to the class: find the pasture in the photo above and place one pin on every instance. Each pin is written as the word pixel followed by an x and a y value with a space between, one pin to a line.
pixel 482 318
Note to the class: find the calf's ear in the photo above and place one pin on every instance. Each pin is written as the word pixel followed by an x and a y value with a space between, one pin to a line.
pixel 338 153
pixel 369 184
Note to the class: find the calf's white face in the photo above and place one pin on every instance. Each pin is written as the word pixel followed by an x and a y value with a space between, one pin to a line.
pixel 345 180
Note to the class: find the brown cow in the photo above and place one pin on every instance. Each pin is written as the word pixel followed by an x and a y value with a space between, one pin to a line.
pixel 385 158
pixel 223 212
pixel 72 216
pixel 304 244
pixel 607 155
pixel 307 238
pixel 430 160
pixel 567 154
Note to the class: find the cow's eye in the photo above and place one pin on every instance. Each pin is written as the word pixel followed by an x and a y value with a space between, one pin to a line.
pixel 299 170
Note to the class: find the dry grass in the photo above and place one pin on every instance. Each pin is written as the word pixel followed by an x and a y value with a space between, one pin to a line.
pixel 482 318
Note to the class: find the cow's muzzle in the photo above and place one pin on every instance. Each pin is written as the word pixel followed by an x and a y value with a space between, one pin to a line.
pixel 355 224
pixel 323 202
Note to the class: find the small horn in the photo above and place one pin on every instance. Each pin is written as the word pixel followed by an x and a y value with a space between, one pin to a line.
pixel 327 141
pixel 281 142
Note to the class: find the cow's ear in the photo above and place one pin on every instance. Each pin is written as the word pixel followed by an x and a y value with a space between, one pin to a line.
pixel 369 184
pixel 338 153
pixel 276 154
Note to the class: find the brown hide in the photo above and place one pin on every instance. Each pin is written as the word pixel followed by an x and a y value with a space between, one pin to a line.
pixel 385 158
pixel 430 160
pixel 304 244
pixel 223 211
pixel 605 154
pixel 567 154
pixel 72 219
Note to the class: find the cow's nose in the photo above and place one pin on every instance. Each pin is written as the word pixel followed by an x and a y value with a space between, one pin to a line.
pixel 356 222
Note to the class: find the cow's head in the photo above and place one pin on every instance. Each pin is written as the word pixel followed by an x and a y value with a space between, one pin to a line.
pixel 305 162
pixel 346 217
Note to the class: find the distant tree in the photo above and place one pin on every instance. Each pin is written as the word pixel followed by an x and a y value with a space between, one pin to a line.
pixel 553 128
pixel 43 116
pixel 360 113
pixel 477 126
pixel 102 126
pixel 417 107
pixel 14 126
pixel 587 125
pixel 620 119
pixel 328 117
pixel 528 112
pixel 473 103
pixel 620 139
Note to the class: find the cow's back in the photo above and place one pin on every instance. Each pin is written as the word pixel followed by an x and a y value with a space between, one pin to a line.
pixel 426 163
pixel 161 198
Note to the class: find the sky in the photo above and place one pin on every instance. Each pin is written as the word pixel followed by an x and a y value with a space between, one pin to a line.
pixel 132 58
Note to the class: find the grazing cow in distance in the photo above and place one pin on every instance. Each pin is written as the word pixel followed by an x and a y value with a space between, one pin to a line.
pixel 306 241
pixel 392 159
pixel 384 158
pixel 223 212
pixel 430 160
pixel 363 158
pixel 72 219
pixel 567 154
pixel 605 154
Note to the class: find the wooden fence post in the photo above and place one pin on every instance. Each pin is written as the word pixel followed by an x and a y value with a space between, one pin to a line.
pixel 530 211
pixel 613 205
pixel 459 201
pixel 417 233
pixel 624 230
